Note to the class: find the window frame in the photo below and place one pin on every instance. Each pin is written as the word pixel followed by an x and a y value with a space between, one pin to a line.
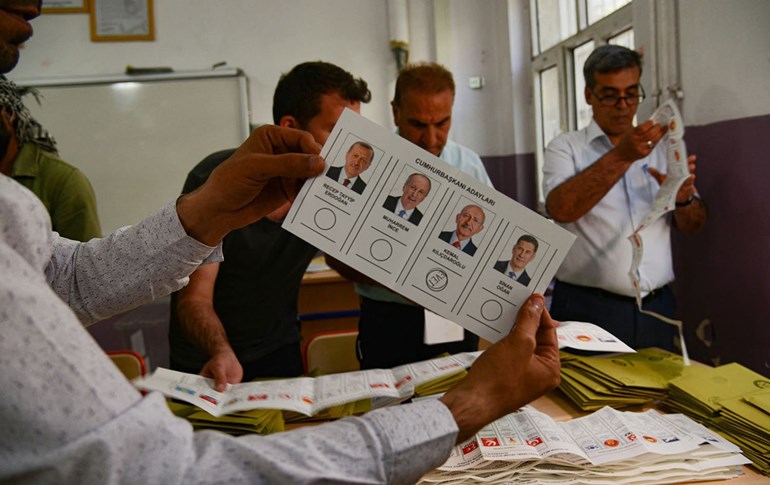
pixel 562 56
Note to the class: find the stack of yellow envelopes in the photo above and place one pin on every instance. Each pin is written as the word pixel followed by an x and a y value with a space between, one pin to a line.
pixel 353 408
pixel 618 380
pixel 733 400
pixel 256 421
pixel 439 385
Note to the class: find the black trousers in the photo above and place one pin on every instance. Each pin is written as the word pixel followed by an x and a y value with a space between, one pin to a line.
pixel 618 314
pixel 283 362
pixel 391 334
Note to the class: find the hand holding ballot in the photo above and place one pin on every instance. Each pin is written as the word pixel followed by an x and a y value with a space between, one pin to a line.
pixel 517 370
pixel 262 175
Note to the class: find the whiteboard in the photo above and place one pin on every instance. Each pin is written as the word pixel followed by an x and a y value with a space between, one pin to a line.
pixel 137 137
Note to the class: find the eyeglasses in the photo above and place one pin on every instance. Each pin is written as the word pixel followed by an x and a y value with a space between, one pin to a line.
pixel 614 100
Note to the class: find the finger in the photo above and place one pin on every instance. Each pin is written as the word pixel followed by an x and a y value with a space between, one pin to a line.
pixel 288 165
pixel 288 140
pixel 528 318
pixel 546 332
pixel 220 377
pixel 659 177
pixel 220 380
pixel 645 127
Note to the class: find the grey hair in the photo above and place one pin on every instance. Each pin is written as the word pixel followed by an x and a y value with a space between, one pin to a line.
pixel 609 58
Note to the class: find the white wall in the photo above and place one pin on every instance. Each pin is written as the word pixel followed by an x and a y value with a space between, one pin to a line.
pixel 263 37
pixel 734 36
pixel 268 37
pixel 472 40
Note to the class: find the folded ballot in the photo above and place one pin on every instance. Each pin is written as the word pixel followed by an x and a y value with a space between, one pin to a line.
pixel 311 396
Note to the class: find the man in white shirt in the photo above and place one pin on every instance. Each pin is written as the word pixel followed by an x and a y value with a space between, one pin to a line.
pixel 599 182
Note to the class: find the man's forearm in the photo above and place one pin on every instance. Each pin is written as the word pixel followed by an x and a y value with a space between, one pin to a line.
pixel 576 196
pixel 202 327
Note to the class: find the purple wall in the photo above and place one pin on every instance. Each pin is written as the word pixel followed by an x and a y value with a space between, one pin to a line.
pixel 723 273
pixel 514 175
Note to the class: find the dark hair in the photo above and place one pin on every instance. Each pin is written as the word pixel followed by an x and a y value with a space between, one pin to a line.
pixel 609 58
pixel 299 91
pixel 362 144
pixel 427 77
pixel 530 239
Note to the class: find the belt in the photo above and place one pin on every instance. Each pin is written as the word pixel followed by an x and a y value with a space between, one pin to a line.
pixel 614 296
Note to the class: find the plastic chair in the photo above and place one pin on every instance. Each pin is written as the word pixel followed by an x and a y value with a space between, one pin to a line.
pixel 331 352
pixel 130 363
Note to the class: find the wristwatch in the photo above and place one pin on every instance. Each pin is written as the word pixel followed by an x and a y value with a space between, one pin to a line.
pixel 688 201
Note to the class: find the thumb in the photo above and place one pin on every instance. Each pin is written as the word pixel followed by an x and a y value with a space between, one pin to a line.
pixel 659 177
pixel 528 318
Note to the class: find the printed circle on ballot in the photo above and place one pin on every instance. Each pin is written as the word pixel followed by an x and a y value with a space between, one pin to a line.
pixel 436 279
pixel 381 250
pixel 325 219
pixel 491 310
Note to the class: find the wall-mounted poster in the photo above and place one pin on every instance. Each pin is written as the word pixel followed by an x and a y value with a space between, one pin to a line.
pixel 122 20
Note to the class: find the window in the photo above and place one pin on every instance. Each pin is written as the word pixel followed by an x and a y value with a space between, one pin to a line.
pixel 564 33
pixel 555 20
pixel 582 109
pixel 598 9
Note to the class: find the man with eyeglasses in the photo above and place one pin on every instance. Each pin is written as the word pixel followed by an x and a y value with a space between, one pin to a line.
pixel 598 183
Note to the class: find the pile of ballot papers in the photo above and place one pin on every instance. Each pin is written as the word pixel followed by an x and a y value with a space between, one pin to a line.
pixel 731 399
pixel 618 380
pixel 265 406
pixel 255 421
pixel 606 447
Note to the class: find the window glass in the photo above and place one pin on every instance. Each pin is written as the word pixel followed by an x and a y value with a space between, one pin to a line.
pixel 598 9
pixel 583 111
pixel 549 91
pixel 556 21
pixel 626 39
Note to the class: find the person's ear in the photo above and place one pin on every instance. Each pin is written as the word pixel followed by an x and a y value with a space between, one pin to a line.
pixel 289 121
pixel 394 109
pixel 588 93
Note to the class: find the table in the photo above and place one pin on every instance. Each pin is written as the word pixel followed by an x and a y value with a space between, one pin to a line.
pixel 327 302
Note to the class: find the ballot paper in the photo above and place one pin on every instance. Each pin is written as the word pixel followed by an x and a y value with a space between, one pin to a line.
pixel 677 171
pixel 605 447
pixel 306 395
pixel 412 250
pixel 587 336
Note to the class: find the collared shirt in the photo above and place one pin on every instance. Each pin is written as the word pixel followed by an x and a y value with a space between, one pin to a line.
pixel 343 177
pixel 468 162
pixel 511 273
pixel 400 207
pixel 454 239
pixel 601 255
pixel 64 190
pixel 69 416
